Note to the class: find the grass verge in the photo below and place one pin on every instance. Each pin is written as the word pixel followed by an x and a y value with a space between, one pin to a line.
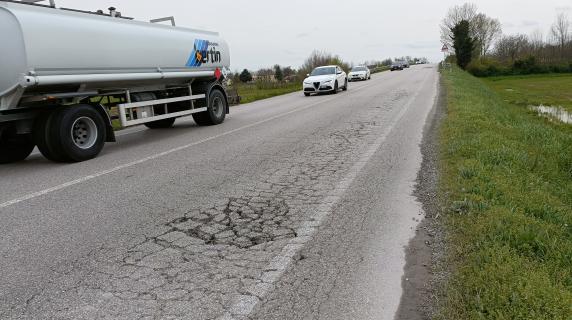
pixel 253 92
pixel 506 177
pixel 550 90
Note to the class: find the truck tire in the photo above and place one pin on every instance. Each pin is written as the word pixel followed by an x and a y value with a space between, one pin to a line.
pixel 161 124
pixel 14 148
pixel 42 138
pixel 216 110
pixel 76 133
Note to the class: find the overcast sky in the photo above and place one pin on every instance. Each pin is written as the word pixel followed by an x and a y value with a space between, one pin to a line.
pixel 262 33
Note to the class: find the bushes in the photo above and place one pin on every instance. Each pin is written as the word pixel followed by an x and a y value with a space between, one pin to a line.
pixel 379 69
pixel 526 66
pixel 486 68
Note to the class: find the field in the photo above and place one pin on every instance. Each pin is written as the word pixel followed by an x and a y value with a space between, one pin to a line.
pixel 551 90
pixel 253 91
pixel 506 183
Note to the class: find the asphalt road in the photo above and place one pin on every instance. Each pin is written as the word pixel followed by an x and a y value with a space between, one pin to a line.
pixel 294 208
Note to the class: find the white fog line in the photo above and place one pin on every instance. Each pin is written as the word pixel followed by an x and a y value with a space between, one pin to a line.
pixel 159 155
pixel 245 304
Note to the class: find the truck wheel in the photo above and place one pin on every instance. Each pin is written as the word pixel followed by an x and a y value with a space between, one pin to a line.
pixel 76 133
pixel 14 148
pixel 43 139
pixel 161 124
pixel 216 110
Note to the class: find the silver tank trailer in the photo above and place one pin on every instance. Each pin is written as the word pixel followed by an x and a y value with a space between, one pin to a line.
pixel 55 62
pixel 44 46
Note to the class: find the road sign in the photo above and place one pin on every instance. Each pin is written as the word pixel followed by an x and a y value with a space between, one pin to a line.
pixel 445 48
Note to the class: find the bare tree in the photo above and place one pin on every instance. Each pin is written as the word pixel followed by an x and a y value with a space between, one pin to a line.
pixel 510 48
pixel 265 72
pixel 319 58
pixel 536 39
pixel 485 30
pixel 456 14
pixel 561 31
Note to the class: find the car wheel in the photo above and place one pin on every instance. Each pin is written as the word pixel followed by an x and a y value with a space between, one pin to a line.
pixel 307 94
pixel 335 88
pixel 345 85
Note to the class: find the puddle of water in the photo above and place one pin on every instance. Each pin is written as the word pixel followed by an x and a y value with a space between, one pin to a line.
pixel 558 113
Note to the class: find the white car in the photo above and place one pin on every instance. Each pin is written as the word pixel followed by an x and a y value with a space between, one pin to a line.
pixel 325 79
pixel 359 73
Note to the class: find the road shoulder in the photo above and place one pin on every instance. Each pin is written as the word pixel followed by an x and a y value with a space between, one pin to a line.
pixel 424 274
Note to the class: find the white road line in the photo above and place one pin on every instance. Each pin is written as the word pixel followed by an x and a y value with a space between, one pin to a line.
pixel 244 305
pixel 159 155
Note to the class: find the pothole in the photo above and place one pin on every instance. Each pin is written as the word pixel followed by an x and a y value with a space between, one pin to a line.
pixel 242 223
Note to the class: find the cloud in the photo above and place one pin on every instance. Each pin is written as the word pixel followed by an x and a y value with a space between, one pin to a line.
pixel 302 35
pixel 421 45
pixel 564 9
pixel 529 23
pixel 289 52
pixel 375 45
pixel 508 25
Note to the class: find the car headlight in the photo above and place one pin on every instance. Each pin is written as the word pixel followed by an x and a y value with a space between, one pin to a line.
pixel 306 82
pixel 328 81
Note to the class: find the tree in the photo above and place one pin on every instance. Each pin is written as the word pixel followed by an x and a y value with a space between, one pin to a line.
pixel 245 76
pixel 463 43
pixel 536 39
pixel 288 72
pixel 561 31
pixel 510 48
pixel 456 14
pixel 485 31
pixel 278 74
pixel 319 58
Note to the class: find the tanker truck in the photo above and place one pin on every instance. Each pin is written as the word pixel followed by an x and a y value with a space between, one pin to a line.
pixel 67 75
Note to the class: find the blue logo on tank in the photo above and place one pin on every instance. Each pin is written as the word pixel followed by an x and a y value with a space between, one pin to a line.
pixel 202 54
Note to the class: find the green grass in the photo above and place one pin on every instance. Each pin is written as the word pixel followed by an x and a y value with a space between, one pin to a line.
pixel 506 181
pixel 253 92
pixel 551 90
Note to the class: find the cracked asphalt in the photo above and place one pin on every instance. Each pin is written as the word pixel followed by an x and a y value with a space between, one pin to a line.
pixel 294 208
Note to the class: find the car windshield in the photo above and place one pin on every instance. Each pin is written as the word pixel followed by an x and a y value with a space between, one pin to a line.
pixel 359 69
pixel 323 71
